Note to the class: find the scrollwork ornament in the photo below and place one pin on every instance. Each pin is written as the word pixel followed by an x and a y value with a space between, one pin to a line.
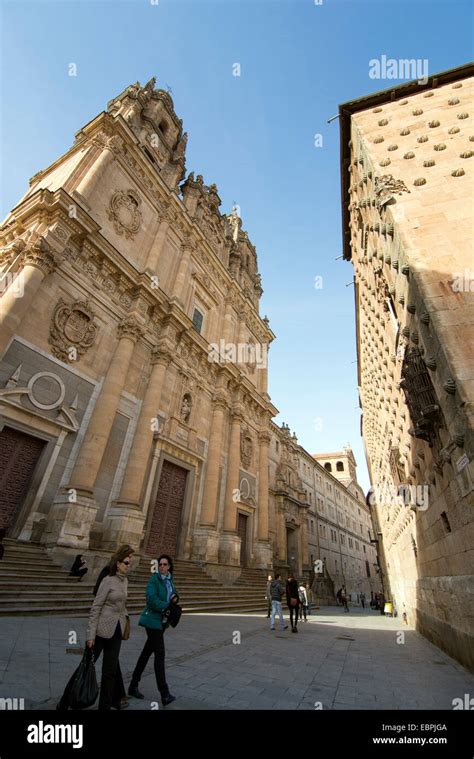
pixel 40 255
pixel 124 212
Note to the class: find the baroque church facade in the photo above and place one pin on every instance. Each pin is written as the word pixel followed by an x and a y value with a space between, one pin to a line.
pixel 133 368
pixel 119 422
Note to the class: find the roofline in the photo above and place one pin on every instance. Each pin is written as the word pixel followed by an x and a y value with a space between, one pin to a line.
pixel 348 109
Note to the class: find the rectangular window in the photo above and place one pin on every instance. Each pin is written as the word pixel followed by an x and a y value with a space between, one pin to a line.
pixel 197 320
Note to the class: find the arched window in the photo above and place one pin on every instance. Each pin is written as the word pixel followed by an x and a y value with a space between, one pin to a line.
pixel 163 126
pixel 340 466
pixel 328 466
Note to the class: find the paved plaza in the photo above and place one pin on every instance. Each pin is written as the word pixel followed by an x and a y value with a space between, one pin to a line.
pixel 336 661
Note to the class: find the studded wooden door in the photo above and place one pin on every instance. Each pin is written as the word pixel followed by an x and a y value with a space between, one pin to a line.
pixel 166 519
pixel 19 454
pixel 242 532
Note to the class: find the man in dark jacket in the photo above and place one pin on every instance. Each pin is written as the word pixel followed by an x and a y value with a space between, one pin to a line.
pixel 276 593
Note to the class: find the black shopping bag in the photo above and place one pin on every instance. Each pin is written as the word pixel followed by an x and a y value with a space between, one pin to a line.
pixel 82 689
pixel 172 615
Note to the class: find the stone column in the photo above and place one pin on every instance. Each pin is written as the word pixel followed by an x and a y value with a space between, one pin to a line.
pixel 211 480
pixel 304 542
pixel 90 456
pixel 229 543
pixel 158 244
pixel 282 534
pixel 233 469
pixel 38 262
pixel 206 539
pixel 126 517
pixel 74 510
pixel 90 180
pixel 183 271
pixel 263 548
pixel 227 325
pixel 262 369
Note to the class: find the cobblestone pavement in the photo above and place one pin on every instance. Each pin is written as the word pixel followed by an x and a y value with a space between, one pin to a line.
pixel 336 661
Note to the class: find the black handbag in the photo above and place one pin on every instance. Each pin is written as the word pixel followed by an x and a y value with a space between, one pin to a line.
pixel 82 689
pixel 172 615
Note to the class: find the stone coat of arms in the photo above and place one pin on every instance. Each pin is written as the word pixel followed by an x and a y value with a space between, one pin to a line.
pixel 72 330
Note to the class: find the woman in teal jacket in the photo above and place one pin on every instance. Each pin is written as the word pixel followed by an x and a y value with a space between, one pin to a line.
pixel 160 594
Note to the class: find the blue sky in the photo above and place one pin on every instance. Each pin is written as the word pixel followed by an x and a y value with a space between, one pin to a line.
pixel 253 135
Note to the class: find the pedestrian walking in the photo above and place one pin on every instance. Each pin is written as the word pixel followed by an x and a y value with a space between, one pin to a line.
pixel 2 548
pixel 338 596
pixel 109 625
pixel 309 596
pixel 381 602
pixel 160 594
pixel 105 571
pixel 292 601
pixel 119 691
pixel 268 596
pixel 344 598
pixel 276 593
pixel 362 600
pixel 303 602
pixel 79 568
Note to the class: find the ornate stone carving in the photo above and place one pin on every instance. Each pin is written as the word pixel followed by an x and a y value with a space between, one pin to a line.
pixel 40 255
pixel 123 212
pixel 129 327
pixel 186 407
pixel 72 330
pixel 387 186
pixel 246 448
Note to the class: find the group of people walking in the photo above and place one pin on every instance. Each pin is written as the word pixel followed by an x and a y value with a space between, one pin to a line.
pixel 109 624
pixel 299 599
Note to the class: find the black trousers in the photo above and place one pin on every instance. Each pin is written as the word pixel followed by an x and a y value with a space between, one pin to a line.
pixel 155 644
pixel 108 687
pixel 293 611
pixel 303 611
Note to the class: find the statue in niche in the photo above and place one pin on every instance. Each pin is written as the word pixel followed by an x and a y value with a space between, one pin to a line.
pixel 186 407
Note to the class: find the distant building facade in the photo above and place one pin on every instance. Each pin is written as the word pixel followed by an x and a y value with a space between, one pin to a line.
pixel 318 521
pixel 407 176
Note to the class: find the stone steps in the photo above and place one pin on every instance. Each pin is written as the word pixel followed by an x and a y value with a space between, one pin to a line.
pixel 53 591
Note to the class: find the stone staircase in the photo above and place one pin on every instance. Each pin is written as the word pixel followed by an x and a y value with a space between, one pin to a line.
pixel 31 584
